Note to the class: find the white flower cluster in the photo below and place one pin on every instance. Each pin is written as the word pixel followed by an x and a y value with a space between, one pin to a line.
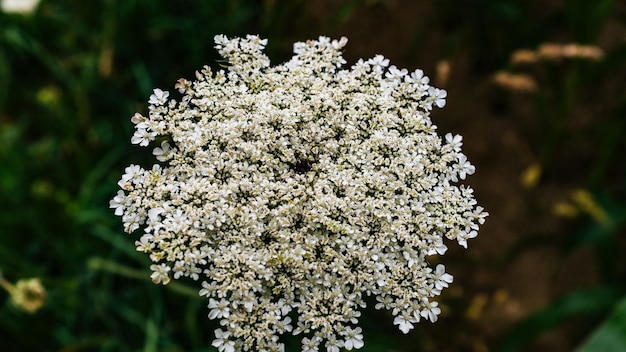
pixel 294 191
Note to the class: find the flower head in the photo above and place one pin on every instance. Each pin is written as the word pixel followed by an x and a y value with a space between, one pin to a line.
pixel 159 97
pixel 292 191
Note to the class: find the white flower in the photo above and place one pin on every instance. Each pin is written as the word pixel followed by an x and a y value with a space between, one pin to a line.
pixel 218 309
pixel 379 61
pixel 137 118
pixel 220 39
pixel 132 173
pixel 333 345
pixel 145 244
pixel 353 338
pixel 221 341
pixel 395 73
pixel 455 141
pixel 464 236
pixel 310 345
pixel 438 248
pixel 207 289
pixel 442 279
pixel 439 96
pixel 119 202
pixel 418 76
pixel 284 325
pixel 291 192
pixel 19 6
pixel 159 97
pixel 162 153
pixel 384 303
pixel 143 137
pixel 464 167
pixel 153 214
pixel 160 273
pixel 131 220
pixel 431 311
pixel 404 322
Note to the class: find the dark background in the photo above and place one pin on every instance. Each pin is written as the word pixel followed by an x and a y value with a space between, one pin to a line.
pixel 546 273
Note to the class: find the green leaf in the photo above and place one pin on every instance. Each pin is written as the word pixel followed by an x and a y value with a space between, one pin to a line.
pixel 611 335
pixel 587 301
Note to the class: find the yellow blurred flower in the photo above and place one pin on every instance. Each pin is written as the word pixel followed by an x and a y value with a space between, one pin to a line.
pixel 565 209
pixel 553 51
pixel 523 56
pixel 530 177
pixel 583 202
pixel 515 81
pixel 443 72
pixel 27 294
pixel 586 201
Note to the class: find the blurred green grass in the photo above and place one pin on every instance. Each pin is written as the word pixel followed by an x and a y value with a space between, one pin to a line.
pixel 72 75
pixel 73 72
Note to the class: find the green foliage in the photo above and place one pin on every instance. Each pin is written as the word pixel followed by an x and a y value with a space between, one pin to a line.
pixel 592 301
pixel 611 335
pixel 603 226
pixel 72 75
